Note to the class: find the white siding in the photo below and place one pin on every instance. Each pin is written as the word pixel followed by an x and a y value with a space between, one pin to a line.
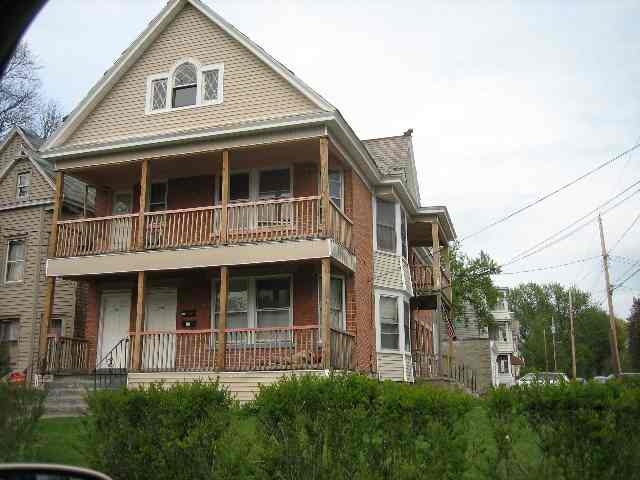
pixel 391 366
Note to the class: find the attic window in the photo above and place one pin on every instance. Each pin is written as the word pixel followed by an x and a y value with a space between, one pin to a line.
pixel 188 85
pixel 23 185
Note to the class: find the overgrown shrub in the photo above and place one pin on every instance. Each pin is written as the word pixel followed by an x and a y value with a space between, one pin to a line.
pixel 20 409
pixel 159 433
pixel 583 431
pixel 355 427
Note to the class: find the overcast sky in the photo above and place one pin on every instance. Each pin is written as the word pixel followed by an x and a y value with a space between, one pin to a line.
pixel 508 100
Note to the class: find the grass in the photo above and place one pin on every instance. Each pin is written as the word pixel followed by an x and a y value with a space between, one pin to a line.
pixel 59 440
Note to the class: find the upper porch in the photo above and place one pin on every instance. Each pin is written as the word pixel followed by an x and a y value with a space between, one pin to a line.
pixel 293 199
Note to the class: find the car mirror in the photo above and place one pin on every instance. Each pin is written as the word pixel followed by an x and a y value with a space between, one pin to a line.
pixel 27 471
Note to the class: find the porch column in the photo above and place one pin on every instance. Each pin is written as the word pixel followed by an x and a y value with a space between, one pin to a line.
pixel 144 200
pixel 136 362
pixel 222 318
pixel 51 281
pixel 324 184
pixel 437 275
pixel 224 214
pixel 325 320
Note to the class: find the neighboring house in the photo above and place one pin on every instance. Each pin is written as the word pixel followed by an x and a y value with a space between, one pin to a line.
pixel 27 191
pixel 242 230
pixel 492 351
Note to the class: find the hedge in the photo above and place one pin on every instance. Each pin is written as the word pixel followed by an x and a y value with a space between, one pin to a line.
pixel 20 409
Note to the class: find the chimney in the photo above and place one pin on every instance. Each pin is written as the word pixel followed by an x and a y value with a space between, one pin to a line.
pixel 408 132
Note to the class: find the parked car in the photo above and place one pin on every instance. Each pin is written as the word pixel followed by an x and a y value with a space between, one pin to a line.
pixel 600 379
pixel 549 378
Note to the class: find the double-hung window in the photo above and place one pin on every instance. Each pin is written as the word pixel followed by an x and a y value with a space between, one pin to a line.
pixel 14 267
pixel 9 330
pixel 274 183
pixel 386 225
pixel 389 324
pixel 403 235
pixel 158 197
pixel 23 187
pixel 407 326
pixel 336 303
pixel 503 363
pixel 336 188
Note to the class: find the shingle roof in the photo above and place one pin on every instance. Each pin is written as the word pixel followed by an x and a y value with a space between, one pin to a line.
pixel 394 156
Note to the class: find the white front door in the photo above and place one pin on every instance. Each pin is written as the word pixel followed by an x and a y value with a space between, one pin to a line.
pixel 160 316
pixel 114 326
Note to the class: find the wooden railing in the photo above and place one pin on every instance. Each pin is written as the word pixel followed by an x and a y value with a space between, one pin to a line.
pixel 93 236
pixel 66 354
pixel 182 228
pixel 283 219
pixel 339 227
pixel 177 351
pixel 343 350
pixel 286 348
pixel 422 276
pixel 426 365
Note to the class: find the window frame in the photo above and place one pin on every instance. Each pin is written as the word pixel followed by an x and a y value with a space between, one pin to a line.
pixel 400 299
pixel 396 299
pixel 27 174
pixel 395 225
pixel 168 76
pixel 5 326
pixel 23 261
pixel 166 195
pixel 343 279
pixel 340 172
pixel 252 300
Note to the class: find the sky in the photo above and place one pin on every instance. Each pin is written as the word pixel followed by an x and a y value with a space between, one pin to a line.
pixel 508 101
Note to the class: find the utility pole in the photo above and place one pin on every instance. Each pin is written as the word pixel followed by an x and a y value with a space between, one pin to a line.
pixel 573 337
pixel 546 355
pixel 615 355
pixel 553 340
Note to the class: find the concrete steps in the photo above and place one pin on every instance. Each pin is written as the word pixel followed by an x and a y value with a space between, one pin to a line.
pixel 66 394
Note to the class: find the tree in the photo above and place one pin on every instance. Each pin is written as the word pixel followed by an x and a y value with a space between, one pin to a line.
pixel 19 87
pixel 472 284
pixel 48 119
pixel 634 335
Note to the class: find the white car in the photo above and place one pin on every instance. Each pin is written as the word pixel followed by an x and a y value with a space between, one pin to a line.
pixel 539 378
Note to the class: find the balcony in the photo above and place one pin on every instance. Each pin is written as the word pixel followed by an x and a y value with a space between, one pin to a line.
pixel 250 222
pixel 424 282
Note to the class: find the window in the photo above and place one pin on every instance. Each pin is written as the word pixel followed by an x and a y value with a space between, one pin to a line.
pixel 158 197
pixel 336 189
pixel 14 269
pixel 9 331
pixel 185 85
pixel 389 328
pixel 239 186
pixel 122 203
pixel 403 235
pixel 23 186
pixel 189 85
pixel 338 320
pixel 55 327
pixel 274 183
pixel 256 302
pixel 503 363
pixel 407 327
pixel 386 225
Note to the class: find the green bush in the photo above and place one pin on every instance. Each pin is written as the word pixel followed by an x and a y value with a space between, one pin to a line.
pixel 20 409
pixel 583 431
pixel 354 427
pixel 158 433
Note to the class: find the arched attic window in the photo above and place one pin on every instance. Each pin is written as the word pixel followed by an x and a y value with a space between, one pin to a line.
pixel 185 85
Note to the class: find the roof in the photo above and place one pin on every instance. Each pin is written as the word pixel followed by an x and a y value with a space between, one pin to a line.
pixel 394 156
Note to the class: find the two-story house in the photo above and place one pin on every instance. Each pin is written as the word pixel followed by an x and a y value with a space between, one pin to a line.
pixel 490 350
pixel 27 192
pixel 242 230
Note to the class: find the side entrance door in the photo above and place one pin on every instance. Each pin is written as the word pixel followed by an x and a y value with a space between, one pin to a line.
pixel 114 326
pixel 159 351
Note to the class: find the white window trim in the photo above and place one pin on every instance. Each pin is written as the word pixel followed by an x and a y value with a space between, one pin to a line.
pixel 199 90
pixel 400 299
pixel 254 182
pixel 6 261
pixel 344 300
pixel 252 311
pixel 341 171
pixel 28 195
pixel 398 250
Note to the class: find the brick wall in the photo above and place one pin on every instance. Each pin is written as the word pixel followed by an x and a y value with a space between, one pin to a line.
pixel 360 286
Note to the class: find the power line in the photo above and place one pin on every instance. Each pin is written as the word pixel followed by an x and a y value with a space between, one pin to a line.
pixel 635 220
pixel 551 267
pixel 550 194
pixel 619 284
pixel 552 240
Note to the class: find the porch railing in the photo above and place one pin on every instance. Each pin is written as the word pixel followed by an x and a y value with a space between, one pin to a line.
pixel 285 348
pixel 422 276
pixel 66 354
pixel 265 220
pixel 177 351
pixel 182 228
pixel 426 365
pixel 343 351
pixel 283 219
pixel 93 236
